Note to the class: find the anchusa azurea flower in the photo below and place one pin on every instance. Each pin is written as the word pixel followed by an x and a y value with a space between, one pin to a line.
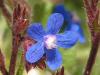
pixel 49 40
pixel 71 24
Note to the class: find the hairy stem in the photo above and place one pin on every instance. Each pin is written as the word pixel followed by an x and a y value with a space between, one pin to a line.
pixel 4 71
pixel 95 33
pixel 90 15
pixel 2 64
pixel 15 44
pixel 92 56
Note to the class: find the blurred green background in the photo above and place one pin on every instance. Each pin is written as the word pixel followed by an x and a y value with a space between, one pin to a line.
pixel 74 59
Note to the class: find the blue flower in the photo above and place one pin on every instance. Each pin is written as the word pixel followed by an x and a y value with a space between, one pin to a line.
pixel 49 40
pixel 75 26
pixel 71 24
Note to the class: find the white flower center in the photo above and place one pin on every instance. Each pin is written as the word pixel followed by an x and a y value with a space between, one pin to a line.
pixel 50 41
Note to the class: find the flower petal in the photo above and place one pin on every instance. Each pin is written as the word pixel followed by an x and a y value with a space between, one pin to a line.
pixel 67 39
pixel 66 14
pixel 54 23
pixel 54 59
pixel 36 31
pixel 35 52
pixel 77 28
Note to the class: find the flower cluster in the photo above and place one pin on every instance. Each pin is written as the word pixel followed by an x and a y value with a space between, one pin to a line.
pixel 49 40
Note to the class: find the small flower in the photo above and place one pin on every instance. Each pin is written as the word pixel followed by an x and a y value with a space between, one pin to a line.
pixel 49 40
pixel 72 21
